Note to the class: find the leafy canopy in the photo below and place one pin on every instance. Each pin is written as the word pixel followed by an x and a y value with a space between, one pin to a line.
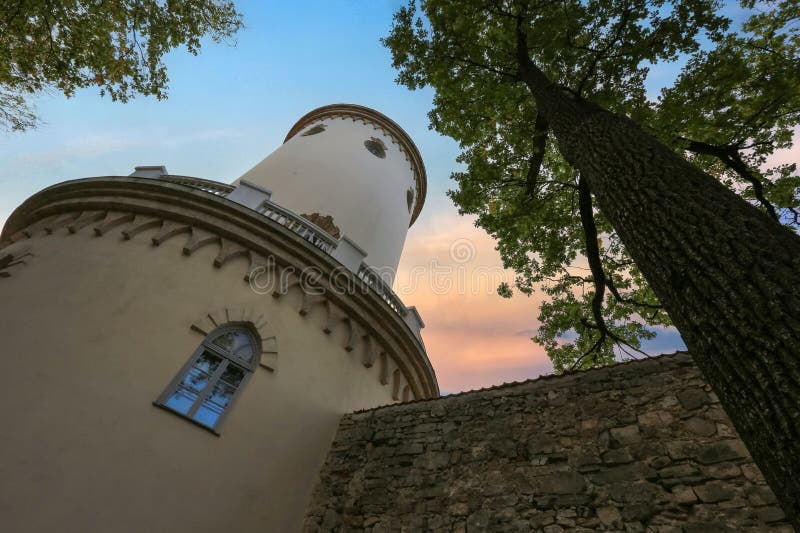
pixel 735 102
pixel 115 45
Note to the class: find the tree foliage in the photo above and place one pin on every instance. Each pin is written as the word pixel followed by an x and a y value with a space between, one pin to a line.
pixel 735 102
pixel 115 45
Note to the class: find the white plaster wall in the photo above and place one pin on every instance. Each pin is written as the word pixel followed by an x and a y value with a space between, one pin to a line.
pixel 94 329
pixel 332 173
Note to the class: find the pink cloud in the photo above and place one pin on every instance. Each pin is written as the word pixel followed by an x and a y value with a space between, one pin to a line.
pixel 450 272
pixel 474 337
pixel 466 360
pixel 789 155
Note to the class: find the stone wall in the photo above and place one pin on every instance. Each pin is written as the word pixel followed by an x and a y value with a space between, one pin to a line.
pixel 641 446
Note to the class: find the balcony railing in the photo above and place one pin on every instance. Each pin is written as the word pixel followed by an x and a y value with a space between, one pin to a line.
pixel 214 187
pixel 305 229
pixel 299 225
pixel 377 284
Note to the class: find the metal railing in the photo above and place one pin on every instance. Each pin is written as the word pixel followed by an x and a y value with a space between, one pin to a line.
pixel 381 288
pixel 214 187
pixel 304 228
pixel 299 225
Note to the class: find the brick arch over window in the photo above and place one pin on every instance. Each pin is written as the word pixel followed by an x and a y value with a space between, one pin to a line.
pixel 235 315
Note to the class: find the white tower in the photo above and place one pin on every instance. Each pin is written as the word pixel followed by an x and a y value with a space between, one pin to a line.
pixel 356 166
pixel 154 383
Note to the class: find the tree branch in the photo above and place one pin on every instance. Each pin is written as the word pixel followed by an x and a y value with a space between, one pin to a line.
pixel 601 281
pixel 731 158
pixel 592 251
pixel 618 297
pixel 540 129
pixel 601 54
pixel 480 65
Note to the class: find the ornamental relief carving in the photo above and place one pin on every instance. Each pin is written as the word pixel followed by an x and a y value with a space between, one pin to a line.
pixel 324 222
pixel 353 334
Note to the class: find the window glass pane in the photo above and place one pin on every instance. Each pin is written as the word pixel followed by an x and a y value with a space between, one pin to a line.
pixel 208 385
pixel 195 380
pixel 181 400
pixel 233 375
pixel 208 413
pixel 222 394
pixel 237 343
pixel 245 353
pixel 208 362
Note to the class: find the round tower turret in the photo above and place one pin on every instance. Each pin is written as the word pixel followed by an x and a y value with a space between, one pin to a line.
pixel 352 171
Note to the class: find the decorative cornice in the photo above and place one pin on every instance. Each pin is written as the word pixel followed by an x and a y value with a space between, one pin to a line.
pixel 10 259
pixel 383 123
pixel 131 207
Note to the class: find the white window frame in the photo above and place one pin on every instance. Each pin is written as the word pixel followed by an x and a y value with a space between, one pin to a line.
pixel 228 358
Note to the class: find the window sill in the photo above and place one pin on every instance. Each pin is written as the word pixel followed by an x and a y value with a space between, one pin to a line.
pixel 192 420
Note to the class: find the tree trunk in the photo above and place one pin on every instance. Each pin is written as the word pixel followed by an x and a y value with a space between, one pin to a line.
pixel 728 276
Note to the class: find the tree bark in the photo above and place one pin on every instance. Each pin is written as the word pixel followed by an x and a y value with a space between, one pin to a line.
pixel 728 276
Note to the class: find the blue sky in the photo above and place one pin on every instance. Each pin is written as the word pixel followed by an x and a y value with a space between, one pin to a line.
pixel 231 106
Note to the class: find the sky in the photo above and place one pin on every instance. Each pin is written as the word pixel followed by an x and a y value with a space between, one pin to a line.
pixel 231 106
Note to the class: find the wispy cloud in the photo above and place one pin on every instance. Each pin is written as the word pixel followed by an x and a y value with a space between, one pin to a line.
pixel 78 148
pixel 200 136
pixel 474 337
pixel 450 271
pixel 111 142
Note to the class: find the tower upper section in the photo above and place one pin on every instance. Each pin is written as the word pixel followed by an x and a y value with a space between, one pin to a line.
pixel 352 171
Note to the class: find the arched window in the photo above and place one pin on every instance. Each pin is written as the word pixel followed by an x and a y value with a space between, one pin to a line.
pixel 208 384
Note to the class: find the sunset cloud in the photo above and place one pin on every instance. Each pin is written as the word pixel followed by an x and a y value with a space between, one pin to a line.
pixel 783 157
pixel 450 272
